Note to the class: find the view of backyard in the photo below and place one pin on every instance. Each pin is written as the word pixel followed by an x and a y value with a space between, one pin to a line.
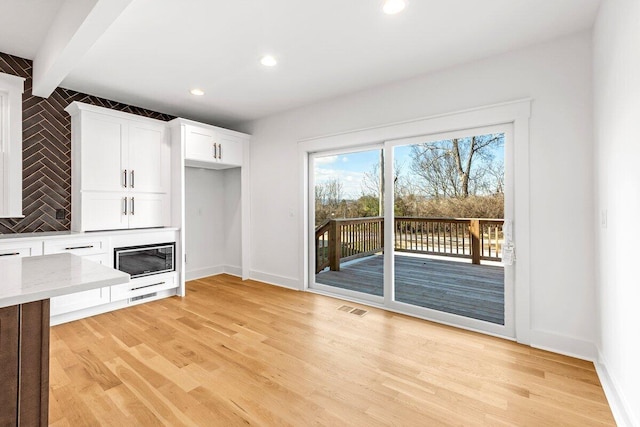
pixel 448 224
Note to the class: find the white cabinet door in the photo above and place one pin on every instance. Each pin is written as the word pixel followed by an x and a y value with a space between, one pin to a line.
pixel 104 211
pixel 148 210
pixel 149 153
pixel 199 144
pixel 230 150
pixel 11 89
pixel 103 153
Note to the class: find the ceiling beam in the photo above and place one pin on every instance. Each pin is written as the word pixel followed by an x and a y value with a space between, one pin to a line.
pixel 75 29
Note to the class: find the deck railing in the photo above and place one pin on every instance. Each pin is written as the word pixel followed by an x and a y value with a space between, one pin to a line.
pixel 340 240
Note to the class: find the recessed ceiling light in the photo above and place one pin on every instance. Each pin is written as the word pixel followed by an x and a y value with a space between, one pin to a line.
pixel 268 61
pixel 197 92
pixel 391 7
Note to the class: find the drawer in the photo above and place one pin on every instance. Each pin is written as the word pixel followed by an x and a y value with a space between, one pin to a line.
pixel 20 249
pixel 78 246
pixel 79 300
pixel 144 286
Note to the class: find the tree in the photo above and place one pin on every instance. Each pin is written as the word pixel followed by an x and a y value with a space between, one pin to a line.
pixel 329 200
pixel 459 167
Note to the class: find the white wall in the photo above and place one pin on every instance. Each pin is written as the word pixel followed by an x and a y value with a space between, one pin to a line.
pixel 232 221
pixel 557 76
pixel 212 222
pixel 204 221
pixel 616 41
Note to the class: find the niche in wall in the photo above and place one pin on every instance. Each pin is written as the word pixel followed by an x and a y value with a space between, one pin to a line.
pixel 212 222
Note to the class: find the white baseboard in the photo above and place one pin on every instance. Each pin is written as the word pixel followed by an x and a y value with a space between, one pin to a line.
pixel 213 271
pixel 204 272
pixel 233 270
pixel 617 402
pixel 563 344
pixel 272 279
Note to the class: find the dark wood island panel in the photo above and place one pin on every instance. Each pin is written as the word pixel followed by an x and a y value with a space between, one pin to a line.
pixel 24 364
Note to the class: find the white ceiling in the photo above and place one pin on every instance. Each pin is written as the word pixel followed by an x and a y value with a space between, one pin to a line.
pixel 157 50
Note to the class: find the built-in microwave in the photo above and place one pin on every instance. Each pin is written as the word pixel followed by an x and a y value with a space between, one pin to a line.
pixel 140 261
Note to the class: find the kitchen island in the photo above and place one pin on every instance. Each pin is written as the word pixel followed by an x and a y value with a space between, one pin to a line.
pixel 26 284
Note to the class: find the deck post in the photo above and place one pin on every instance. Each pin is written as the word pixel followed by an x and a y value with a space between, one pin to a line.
pixel 474 231
pixel 334 245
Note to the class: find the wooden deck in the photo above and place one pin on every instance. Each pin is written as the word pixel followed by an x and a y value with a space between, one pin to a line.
pixel 475 291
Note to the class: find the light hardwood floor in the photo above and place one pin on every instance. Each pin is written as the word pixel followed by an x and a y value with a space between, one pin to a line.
pixel 246 353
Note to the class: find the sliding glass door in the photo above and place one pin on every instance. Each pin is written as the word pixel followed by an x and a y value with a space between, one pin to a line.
pixel 419 225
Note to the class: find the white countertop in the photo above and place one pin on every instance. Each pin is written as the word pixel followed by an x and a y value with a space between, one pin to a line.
pixel 36 278
pixel 66 234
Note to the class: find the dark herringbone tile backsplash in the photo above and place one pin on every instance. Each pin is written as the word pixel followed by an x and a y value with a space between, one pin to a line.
pixel 46 151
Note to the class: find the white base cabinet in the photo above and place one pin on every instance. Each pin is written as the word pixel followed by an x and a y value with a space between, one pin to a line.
pixel 98 247
pixel 92 248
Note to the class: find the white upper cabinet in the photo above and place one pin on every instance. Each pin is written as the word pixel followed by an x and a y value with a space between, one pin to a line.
pixel 148 158
pixel 102 152
pixel 120 165
pixel 211 147
pixel 11 88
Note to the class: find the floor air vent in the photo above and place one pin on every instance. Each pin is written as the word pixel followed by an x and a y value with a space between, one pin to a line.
pixel 138 298
pixel 357 311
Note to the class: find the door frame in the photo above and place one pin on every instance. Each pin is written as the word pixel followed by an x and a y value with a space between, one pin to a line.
pixel 516 113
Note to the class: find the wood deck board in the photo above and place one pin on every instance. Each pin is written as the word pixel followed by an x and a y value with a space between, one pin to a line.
pixel 246 353
pixel 475 291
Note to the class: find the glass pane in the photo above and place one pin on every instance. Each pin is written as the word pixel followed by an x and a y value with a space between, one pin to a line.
pixel 348 222
pixel 449 210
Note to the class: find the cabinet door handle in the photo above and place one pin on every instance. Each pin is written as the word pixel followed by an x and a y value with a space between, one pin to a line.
pixel 215 150
pixel 133 206
pixel 125 178
pixel 11 254
pixel 125 206
pixel 133 177
pixel 220 151
pixel 78 247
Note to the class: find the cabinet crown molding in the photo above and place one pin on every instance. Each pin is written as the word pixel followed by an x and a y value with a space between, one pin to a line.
pixel 180 121
pixel 76 107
